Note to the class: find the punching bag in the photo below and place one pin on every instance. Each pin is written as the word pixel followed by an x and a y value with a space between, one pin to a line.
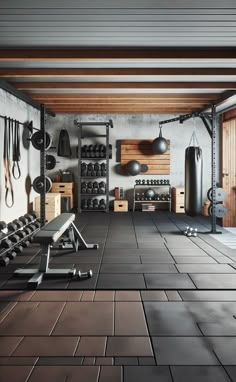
pixel 193 180
pixel 64 148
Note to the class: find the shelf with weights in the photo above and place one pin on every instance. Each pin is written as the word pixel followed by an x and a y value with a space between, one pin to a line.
pixel 152 192
pixel 93 168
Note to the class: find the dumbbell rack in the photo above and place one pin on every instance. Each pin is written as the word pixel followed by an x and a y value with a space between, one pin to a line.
pixel 158 187
pixel 7 254
pixel 82 136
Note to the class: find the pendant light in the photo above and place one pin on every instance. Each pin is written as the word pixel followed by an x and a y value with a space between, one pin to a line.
pixel 159 145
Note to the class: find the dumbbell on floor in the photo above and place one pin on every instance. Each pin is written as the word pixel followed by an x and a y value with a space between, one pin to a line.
pixel 85 275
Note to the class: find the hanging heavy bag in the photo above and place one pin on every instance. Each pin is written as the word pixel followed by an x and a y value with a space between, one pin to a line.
pixel 64 148
pixel 193 178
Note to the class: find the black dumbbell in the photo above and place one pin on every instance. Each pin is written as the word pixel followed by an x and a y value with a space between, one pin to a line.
pixel 12 227
pixel 96 167
pixel 90 185
pixel 14 238
pixel 31 217
pixel 11 255
pixel 85 275
pixel 6 243
pixel 25 243
pixel 21 234
pixel 24 220
pixel 18 249
pixel 37 224
pixel 18 223
pixel 103 166
pixel 27 230
pixel 90 167
pixel 95 203
pixel 102 204
pixel 2 225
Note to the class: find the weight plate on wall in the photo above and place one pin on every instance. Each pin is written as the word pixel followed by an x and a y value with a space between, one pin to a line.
pixel 220 194
pixel 37 140
pixel 38 184
pixel 220 210
pixel 50 162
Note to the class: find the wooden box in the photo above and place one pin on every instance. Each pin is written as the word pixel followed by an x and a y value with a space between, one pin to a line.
pixel 121 205
pixel 52 205
pixel 65 189
pixel 178 194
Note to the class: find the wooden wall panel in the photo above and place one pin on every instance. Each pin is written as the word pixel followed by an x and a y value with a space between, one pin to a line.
pixel 141 150
pixel 229 170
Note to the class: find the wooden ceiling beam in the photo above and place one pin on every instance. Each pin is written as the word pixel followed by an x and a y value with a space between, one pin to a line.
pixel 117 54
pixel 111 96
pixel 128 85
pixel 129 103
pixel 78 72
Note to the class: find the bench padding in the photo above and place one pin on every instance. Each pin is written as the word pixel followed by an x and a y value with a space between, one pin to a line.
pixel 52 231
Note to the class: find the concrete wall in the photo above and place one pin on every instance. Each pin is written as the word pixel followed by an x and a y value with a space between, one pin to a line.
pixel 12 107
pixel 139 127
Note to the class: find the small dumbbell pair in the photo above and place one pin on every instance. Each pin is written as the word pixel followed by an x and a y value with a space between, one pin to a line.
pixel 190 231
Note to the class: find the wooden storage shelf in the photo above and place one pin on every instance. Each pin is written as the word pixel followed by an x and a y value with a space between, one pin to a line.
pixel 165 187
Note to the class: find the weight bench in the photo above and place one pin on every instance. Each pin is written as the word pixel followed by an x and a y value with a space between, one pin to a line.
pixel 47 237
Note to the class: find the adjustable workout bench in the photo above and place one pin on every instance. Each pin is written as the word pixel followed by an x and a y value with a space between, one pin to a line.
pixel 47 237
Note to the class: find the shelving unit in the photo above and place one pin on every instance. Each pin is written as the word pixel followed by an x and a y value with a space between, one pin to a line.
pixel 165 188
pixel 82 135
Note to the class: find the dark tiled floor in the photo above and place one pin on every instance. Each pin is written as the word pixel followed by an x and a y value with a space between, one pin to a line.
pixel 160 307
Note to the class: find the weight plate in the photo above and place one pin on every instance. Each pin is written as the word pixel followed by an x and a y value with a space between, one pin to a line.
pixel 50 162
pixel 38 184
pixel 220 194
pixel 221 210
pixel 37 140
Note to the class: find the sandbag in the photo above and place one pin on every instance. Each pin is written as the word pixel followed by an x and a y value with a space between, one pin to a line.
pixel 193 180
pixel 64 148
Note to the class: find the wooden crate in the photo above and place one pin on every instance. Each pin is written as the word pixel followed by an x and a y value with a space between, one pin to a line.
pixel 65 189
pixel 121 205
pixel 178 194
pixel 52 205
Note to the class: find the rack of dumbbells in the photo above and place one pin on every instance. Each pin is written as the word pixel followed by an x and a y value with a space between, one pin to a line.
pixel 93 165
pixel 152 190
pixel 16 236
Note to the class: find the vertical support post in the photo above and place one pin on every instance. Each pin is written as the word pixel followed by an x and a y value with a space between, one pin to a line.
pixel 107 167
pixel 79 166
pixel 213 169
pixel 42 167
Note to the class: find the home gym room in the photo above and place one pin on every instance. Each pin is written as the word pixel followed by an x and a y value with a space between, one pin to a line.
pixel 117 191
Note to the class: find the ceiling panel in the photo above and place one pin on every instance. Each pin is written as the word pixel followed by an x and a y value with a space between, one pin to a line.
pixel 128 56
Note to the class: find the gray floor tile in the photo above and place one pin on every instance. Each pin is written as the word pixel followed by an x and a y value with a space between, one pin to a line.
pixel 205 268
pixel 121 260
pixel 224 347
pixel 147 373
pixel 211 295
pixel 187 252
pixel 60 361
pixel 214 281
pixel 146 361
pixel 121 281
pixel 131 361
pixel 224 327
pixel 194 260
pixel 157 259
pixel 170 319
pixel 138 268
pixel 172 281
pixel 231 370
pixel 183 351
pixel 199 374
pixel 111 373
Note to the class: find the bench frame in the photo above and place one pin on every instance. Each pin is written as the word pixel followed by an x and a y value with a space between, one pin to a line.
pixel 75 240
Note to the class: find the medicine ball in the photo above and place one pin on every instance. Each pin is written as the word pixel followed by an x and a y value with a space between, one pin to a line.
pixel 159 145
pixel 150 193
pixel 133 167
